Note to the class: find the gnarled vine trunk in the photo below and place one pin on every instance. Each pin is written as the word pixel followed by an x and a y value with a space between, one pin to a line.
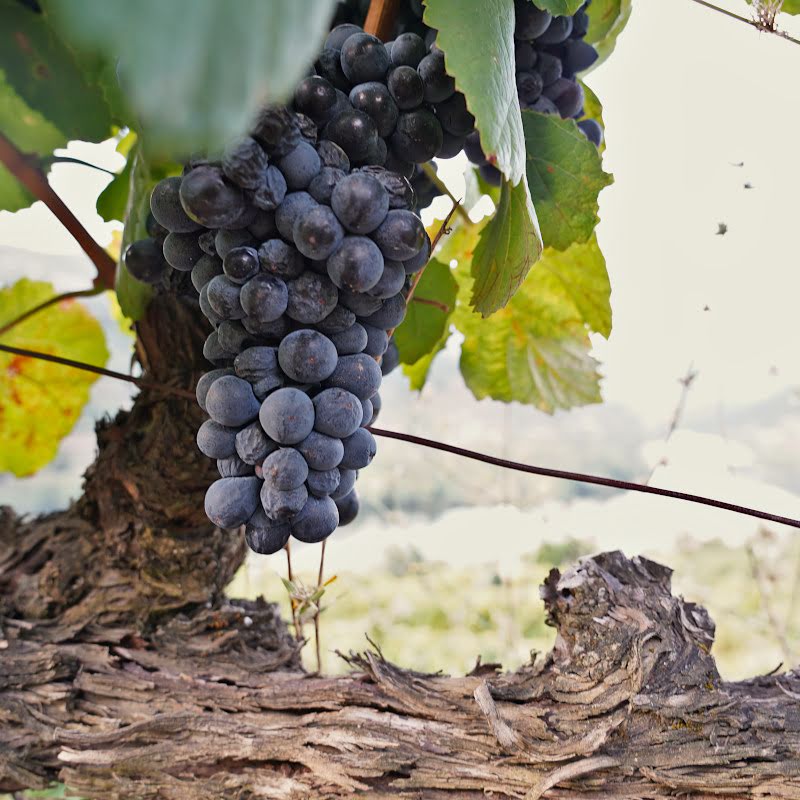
pixel 126 673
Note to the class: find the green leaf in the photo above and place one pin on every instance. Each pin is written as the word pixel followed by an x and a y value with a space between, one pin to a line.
pixel 29 131
pixel 509 246
pixel 417 373
pixel 565 176
pixel 607 19
pixel 48 77
pixel 112 202
pixel 197 70
pixel 425 323
pixel 559 8
pixel 788 7
pixel 536 349
pixel 40 401
pixel 477 38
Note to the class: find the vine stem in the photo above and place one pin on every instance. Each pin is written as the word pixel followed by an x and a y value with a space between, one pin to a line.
pixel 751 22
pixel 381 17
pixel 48 160
pixel 108 373
pixel 442 187
pixel 27 172
pixel 49 302
pixel 298 631
pixel 581 477
pixel 320 575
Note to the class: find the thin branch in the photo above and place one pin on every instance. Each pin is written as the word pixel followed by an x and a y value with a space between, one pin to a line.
pixel 381 18
pixel 49 302
pixel 581 477
pixel 108 373
pixel 751 22
pixel 442 187
pixel 27 172
pixel 49 160
pixel 298 630
pixel 320 575
pixel 425 301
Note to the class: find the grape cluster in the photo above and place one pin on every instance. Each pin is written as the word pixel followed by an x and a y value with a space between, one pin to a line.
pixel 300 245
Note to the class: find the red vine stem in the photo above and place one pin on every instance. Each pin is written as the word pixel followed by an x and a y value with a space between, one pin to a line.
pixel 27 172
pixel 49 302
pixel 108 373
pixel 751 22
pixel 579 477
pixel 381 17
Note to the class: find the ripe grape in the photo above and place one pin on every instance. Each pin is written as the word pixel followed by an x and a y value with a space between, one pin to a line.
pixel 285 469
pixel 316 98
pixel 400 236
pixel 280 505
pixel 417 137
pixel 208 198
pixel 438 85
pixel 364 58
pixel 320 451
pixel 337 412
pixel 351 341
pixel 230 401
pixel 263 297
pixel 311 298
pixel 215 440
pixel 230 502
pixel 253 445
pixel 144 259
pixel 408 49
pixel 406 87
pixel 182 251
pixel 165 204
pixel 265 536
pixel 348 507
pixel 244 163
pixel 317 232
pixel 299 166
pixel 357 265
pixel 240 264
pixel 374 99
pixel 322 483
pixel 287 415
pixel 224 296
pixel 317 520
pixel 307 356
pixel 358 374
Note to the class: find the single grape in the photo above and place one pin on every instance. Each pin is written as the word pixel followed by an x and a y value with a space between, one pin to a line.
pixel 401 194
pixel 316 98
pixel 524 56
pixel 206 242
pixel 234 467
pixel 276 130
pixel 329 66
pixel 567 96
pixel 358 374
pixel 204 384
pixel 580 23
pixel 400 236
pixel 205 307
pixel 321 188
pixel 265 536
pixel 206 268
pixel 271 191
pixel 311 298
pixel 320 451
pixel 364 58
pixel 529 87
pixel 490 173
pixel 224 297
pixel 144 259
pixel 592 130
pixel 473 149
pixel 351 341
pixel 406 88
pixel 317 232
pixel 287 416
pixel 376 406
pixel 290 209
pixel 253 445
pixel 337 412
pixel 322 483
pixel 408 50
pixel 182 251
pixel 276 329
pixel 240 264
pixel 299 166
pixel 256 363
pixel 233 336
pixel 165 204
pixel 281 259
pixel 331 155
pixel 347 480
pixel 285 469
pixel 362 305
pixel 208 198
pixel 230 502
pixel 281 505
pixel 452 145
pixel 369 413
pixel 549 67
pixel 348 507
pixel 360 202
pixel 316 521
pixel 226 240
pixel 454 116
pixel 373 99
pixel 339 35
pixel 578 56
pixel 417 137
pixel 530 21
pixel 264 297
pixel 438 85
pixel 354 131
pixel 307 356
pixel 339 320
pixel 377 341
pixel 244 163
pixel 230 401
pixel 357 265
pixel 391 358
pixel 215 440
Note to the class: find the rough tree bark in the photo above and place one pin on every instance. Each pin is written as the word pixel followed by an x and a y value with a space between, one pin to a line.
pixel 126 673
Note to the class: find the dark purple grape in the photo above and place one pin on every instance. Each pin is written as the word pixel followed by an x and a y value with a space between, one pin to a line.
pixel 182 251
pixel 204 384
pixel 215 440
pixel 524 56
pixel 339 35
pixel 391 280
pixel 279 258
pixel 338 412
pixel 417 137
pixel 316 98
pixel 281 506
pixel 329 66
pixel 408 50
pixel 530 21
pixel 566 95
pixel 347 480
pixel 287 416
pixel 373 99
pixel 406 87
pixel 245 163
pixel 340 319
pixel 359 450
pixel 233 336
pixel 321 188
pixel 264 297
pixel 208 198
pixel 348 507
pixel 230 401
pixel 311 298
pixel 529 87
pixel 549 67
pixel 391 358
pixel 317 233
pixel 290 209
pixel 364 58
pixel 165 204
pixel 357 265
pixel 276 130
pixel 234 467
pixel 206 268
pixel 557 31
pixel 490 173
pixel 224 297
pixel 213 352
pixel 400 236
pixel 299 166
pixel 321 452
pixel 578 56
pixel 264 536
pixel 331 155
pixel 454 116
pixel 377 341
pixel 592 130
pixel 253 445
pixel 451 146
pixel 257 363
pixel 307 356
pixel 271 191
pixel 360 202
pixel 358 374
pixel 241 264
pixel 144 259
pixel 544 106
pixel 285 469
pixel 317 520
pixel 322 483
pixel 354 131
pixel 351 341
pixel 225 240
pixel 389 315
pixel 230 502
pixel 438 85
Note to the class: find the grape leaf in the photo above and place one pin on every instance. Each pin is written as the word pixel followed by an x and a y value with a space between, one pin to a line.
pixel 565 176
pixel 424 322
pixel 417 373
pixel 607 18
pixel 31 132
pixel 48 77
pixel 211 64
pixel 559 8
pixel 478 44
pixel 509 246
pixel 40 401
pixel 593 109
pixel 112 202
pixel 536 349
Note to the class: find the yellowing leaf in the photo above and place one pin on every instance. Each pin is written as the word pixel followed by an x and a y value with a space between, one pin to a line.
pixel 40 401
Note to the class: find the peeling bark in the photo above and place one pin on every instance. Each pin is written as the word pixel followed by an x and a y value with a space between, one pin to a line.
pixel 126 673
